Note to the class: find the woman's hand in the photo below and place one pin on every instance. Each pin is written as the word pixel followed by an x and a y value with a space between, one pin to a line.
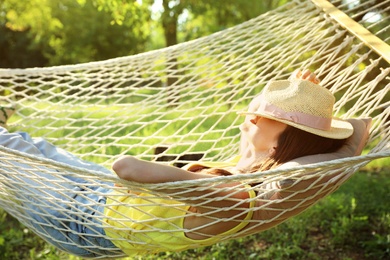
pixel 305 75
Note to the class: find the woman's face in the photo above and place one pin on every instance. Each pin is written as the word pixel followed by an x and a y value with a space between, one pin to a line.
pixel 261 132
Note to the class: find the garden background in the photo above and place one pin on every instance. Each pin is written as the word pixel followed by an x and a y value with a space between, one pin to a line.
pixel 352 223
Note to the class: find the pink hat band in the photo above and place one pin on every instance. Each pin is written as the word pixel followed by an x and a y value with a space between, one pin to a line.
pixel 301 104
pixel 294 116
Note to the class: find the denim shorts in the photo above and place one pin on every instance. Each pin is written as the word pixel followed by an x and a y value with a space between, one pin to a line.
pixel 66 211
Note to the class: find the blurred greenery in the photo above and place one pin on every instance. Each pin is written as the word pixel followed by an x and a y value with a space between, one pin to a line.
pixel 352 223
pixel 57 32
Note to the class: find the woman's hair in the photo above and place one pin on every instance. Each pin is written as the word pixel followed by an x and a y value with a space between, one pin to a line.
pixel 292 143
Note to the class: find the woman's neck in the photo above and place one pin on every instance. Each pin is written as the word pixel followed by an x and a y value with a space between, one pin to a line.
pixel 249 156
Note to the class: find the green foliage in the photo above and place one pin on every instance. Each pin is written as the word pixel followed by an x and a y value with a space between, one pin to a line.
pixel 206 17
pixel 88 34
pixel 13 50
pixel 352 223
pixel 70 31
pixel 56 32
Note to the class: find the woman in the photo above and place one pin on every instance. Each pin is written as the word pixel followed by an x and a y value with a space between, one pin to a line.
pixel 290 119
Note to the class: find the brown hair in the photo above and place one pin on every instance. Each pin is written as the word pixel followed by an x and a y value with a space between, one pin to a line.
pixel 292 143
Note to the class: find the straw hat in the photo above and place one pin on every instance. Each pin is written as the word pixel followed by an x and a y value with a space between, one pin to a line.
pixel 304 105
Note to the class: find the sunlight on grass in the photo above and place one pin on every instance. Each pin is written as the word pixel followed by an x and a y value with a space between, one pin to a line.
pixel 67 126
pixel 346 219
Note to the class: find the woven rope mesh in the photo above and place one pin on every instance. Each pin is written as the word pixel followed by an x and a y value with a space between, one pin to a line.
pixel 176 105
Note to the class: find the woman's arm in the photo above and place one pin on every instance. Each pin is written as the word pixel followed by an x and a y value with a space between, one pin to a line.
pixel 133 169
pixel 207 203
pixel 293 197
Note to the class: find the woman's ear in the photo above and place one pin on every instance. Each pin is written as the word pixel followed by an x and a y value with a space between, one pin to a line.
pixel 272 150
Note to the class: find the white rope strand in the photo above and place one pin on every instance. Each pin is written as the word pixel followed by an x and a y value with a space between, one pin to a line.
pixel 104 109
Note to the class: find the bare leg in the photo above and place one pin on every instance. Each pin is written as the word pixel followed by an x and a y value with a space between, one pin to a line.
pixel 5 113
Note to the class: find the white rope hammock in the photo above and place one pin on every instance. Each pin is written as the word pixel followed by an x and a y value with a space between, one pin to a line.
pixel 182 101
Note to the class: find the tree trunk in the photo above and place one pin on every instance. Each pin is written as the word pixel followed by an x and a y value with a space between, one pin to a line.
pixel 169 22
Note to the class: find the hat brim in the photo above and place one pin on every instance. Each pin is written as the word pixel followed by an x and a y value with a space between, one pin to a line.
pixel 340 129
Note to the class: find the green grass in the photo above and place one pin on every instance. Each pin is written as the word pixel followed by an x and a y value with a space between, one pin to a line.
pixel 352 223
pixel 73 126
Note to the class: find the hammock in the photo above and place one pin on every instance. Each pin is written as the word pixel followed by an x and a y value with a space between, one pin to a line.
pixel 179 104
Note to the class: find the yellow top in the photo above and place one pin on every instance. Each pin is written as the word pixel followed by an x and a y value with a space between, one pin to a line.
pixel 145 224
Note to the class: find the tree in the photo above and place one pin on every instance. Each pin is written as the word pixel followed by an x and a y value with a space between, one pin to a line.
pixel 217 14
pixel 71 31
pixel 13 50
pixel 20 40
pixel 89 34
pixel 202 17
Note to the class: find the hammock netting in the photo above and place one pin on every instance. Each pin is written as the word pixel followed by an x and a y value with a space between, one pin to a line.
pixel 179 104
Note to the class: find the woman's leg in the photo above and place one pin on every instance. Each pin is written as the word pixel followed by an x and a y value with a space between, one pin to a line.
pixel 57 154
pixel 5 113
pixel 63 209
